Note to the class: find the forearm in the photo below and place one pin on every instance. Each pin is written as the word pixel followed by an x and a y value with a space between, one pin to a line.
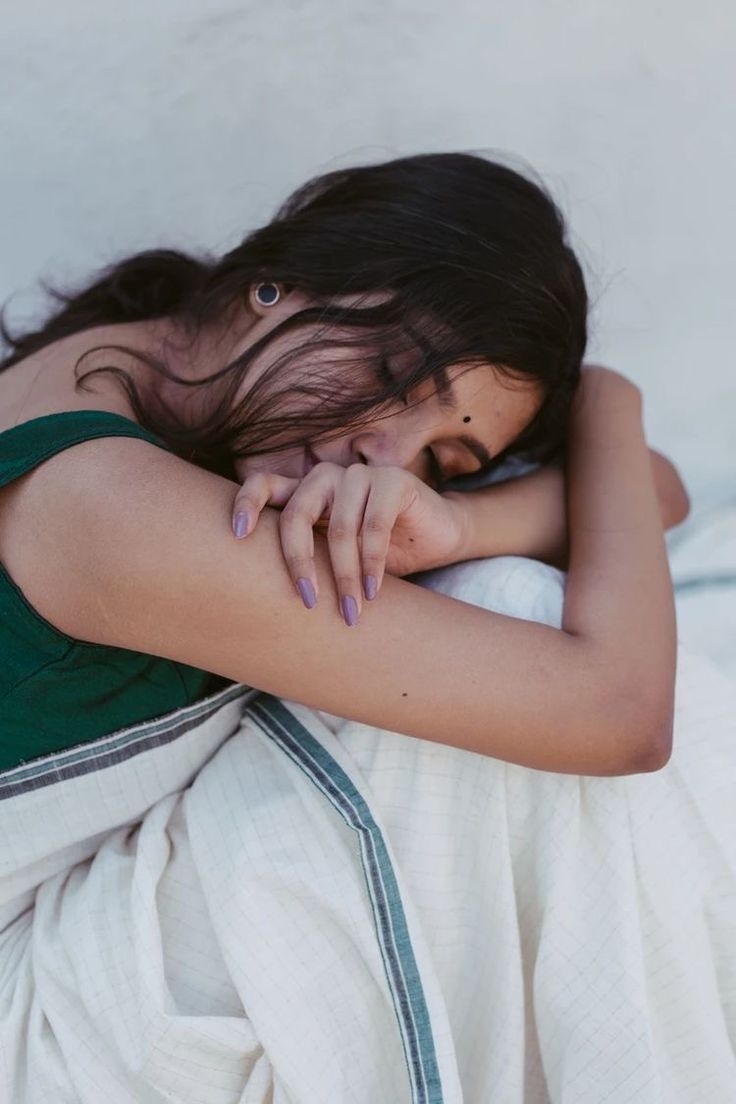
pixel 527 516
pixel 618 592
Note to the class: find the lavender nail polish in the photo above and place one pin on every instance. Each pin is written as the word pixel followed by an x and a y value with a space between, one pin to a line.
pixel 349 608
pixel 240 525
pixel 306 590
pixel 371 586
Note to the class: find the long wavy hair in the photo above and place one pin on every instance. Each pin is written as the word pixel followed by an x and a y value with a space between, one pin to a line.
pixel 473 267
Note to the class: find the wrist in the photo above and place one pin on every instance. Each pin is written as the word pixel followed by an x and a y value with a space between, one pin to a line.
pixel 466 547
pixel 523 516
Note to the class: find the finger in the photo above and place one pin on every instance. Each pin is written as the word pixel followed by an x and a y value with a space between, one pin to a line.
pixel 258 490
pixel 306 506
pixel 379 517
pixel 346 519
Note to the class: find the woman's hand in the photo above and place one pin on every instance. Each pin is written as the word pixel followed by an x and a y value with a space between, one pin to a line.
pixel 378 519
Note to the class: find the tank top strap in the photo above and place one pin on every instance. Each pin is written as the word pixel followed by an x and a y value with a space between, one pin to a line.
pixel 26 445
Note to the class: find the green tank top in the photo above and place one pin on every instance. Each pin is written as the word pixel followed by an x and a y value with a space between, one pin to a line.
pixel 56 691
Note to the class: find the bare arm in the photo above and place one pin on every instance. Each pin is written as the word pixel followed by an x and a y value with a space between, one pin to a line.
pixel 121 543
pixel 527 515
pixel 618 580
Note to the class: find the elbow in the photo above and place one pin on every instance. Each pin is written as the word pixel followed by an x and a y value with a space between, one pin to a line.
pixel 653 752
pixel 640 731
pixel 681 506
pixel 646 757
pixel 653 758
pixel 671 491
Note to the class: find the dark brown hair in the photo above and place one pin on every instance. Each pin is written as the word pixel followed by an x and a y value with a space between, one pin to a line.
pixel 473 261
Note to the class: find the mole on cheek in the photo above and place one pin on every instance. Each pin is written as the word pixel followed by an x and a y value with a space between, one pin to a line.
pixel 466 418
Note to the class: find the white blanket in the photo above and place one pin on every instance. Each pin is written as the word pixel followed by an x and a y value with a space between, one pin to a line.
pixel 247 901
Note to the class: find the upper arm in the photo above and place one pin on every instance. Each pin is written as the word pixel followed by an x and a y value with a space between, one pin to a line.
pixel 127 545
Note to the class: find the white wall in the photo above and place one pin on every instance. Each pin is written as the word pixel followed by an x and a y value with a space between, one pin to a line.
pixel 184 122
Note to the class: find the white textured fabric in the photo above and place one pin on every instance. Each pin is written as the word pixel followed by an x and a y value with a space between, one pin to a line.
pixel 219 934
pixel 583 928
pixel 702 556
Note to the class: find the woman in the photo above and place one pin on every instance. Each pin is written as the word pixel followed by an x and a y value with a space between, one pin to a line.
pixel 398 304
pixel 395 330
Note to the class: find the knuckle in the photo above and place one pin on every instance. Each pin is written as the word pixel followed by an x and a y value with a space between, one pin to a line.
pixel 324 467
pixel 376 524
pixel 256 479
pixel 340 531
pixel 298 563
pixel 293 514
pixel 373 558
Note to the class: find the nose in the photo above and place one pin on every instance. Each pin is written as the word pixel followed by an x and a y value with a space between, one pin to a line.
pixel 379 447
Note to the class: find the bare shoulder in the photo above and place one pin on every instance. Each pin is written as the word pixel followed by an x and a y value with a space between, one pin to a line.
pixel 45 382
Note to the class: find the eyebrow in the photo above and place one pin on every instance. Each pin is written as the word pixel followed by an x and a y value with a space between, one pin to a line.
pixel 448 401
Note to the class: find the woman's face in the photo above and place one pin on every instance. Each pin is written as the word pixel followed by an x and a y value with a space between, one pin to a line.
pixel 439 438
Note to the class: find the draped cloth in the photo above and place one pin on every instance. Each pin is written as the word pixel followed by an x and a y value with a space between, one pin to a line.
pixel 252 901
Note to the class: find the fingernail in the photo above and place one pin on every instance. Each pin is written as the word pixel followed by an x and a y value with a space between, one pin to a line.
pixel 349 608
pixel 371 586
pixel 240 525
pixel 307 592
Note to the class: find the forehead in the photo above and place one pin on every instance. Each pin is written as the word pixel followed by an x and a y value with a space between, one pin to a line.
pixel 499 406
